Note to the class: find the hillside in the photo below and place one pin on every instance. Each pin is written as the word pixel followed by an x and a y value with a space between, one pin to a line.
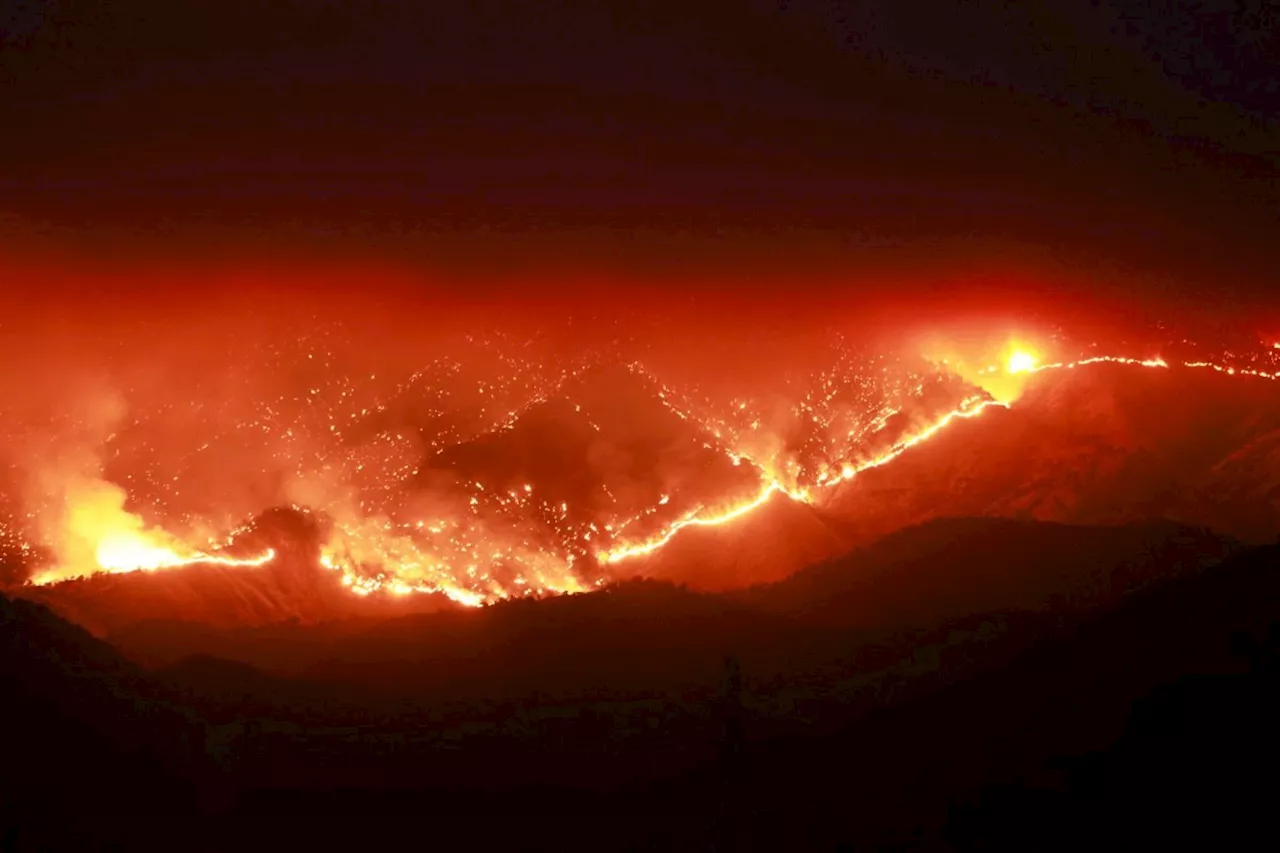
pixel 932 584
pixel 950 568
pixel 1105 444
pixel 1046 753
pixel 1100 445
pixel 87 733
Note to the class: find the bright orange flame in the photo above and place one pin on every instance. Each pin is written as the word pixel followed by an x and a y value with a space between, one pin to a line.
pixel 1111 359
pixel 652 544
pixel 125 551
pixel 415 569
pixel 100 535
pixel 1021 361
pixel 1000 370
pixel 130 552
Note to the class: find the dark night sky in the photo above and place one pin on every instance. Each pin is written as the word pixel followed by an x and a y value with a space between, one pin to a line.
pixel 803 135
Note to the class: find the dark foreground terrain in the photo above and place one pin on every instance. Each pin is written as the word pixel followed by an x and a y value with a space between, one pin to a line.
pixel 969 684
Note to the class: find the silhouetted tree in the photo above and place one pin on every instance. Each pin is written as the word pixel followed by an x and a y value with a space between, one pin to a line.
pixel 1261 656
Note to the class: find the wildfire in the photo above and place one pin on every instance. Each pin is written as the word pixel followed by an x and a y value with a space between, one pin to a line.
pixel 487 549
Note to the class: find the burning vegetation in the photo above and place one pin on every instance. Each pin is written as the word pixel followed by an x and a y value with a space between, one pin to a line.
pixel 480 466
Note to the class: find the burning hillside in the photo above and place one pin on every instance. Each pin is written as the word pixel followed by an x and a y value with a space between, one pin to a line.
pixel 477 468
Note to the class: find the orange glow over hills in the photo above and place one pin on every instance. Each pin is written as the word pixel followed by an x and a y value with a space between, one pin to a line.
pixel 427 495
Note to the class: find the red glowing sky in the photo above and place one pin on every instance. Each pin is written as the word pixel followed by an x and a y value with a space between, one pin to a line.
pixel 736 149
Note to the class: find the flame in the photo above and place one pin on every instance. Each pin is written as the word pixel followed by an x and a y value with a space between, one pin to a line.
pixel 1000 371
pixel 1110 359
pixel 129 552
pixel 100 535
pixel 374 555
pixel 969 408
pixel 695 519
pixel 1021 361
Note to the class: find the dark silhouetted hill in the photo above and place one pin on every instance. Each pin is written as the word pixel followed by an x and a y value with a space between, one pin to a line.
pixel 91 759
pixel 952 568
pixel 1024 726
pixel 923 609
pixel 648 633
pixel 1133 730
